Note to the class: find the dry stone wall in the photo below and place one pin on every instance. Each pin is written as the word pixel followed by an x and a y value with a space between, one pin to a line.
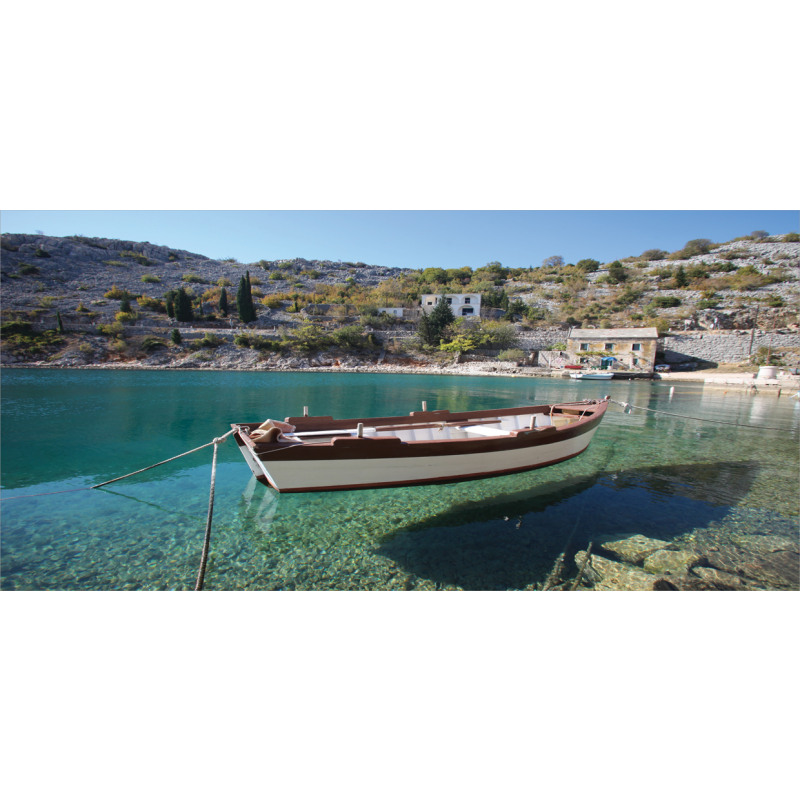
pixel 723 348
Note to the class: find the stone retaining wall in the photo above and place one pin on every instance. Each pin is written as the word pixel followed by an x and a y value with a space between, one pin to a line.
pixel 722 348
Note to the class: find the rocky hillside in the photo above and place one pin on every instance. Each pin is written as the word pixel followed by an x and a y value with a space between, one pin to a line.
pixel 78 300
pixel 736 286
pixel 57 273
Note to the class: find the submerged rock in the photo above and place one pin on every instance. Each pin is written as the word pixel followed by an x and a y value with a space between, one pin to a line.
pixel 677 562
pixel 633 549
pixel 607 575
pixel 718 578
pixel 779 569
pixel 766 544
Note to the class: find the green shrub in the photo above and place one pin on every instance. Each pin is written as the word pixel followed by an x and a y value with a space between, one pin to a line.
pixel 792 237
pixel 695 247
pixel 40 253
pixel 190 277
pixel 117 294
pixel 28 269
pixel 351 337
pixel 514 354
pixel 150 279
pixel 16 326
pixel 654 255
pixel 616 272
pixel 150 343
pixel 140 258
pixel 145 301
pixel 210 341
pixel 666 302
pixel 255 342
pixel 308 338
pixel 113 263
pixel 111 330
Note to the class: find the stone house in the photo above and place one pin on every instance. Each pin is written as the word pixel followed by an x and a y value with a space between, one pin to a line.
pixel 634 348
pixel 463 305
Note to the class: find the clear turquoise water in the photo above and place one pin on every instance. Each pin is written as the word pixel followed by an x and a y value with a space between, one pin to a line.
pixel 726 487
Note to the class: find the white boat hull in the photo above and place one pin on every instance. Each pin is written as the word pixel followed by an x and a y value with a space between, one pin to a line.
pixel 299 476
pixel 322 454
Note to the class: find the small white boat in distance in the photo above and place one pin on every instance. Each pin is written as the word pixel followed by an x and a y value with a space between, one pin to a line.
pixel 315 454
pixel 598 375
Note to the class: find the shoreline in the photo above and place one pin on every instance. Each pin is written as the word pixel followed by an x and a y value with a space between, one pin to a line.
pixel 727 381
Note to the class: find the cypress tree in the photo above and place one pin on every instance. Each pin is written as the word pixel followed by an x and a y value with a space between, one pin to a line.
pixel 183 307
pixel 59 323
pixel 175 336
pixel 223 302
pixel 125 305
pixel 244 300
pixel 169 302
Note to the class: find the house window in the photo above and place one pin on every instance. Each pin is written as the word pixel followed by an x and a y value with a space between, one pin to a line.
pixel 465 312
pixel 584 346
pixel 430 302
pixel 584 361
pixel 636 346
pixel 634 361
pixel 449 301
pixel 609 346
pixel 467 301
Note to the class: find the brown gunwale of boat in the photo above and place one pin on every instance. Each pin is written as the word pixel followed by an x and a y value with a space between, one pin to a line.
pixel 346 445
pixel 426 419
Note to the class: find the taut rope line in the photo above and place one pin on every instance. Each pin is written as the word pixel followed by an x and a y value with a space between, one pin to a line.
pixel 626 406
pixel 166 461
pixel 121 477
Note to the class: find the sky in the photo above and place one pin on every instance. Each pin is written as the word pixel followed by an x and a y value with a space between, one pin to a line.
pixel 415 239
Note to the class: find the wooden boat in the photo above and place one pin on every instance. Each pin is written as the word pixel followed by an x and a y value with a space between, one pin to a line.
pixel 305 454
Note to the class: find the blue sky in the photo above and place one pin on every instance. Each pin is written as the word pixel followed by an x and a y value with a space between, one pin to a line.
pixel 408 238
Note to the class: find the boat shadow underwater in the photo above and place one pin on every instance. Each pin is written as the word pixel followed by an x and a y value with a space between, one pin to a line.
pixel 513 540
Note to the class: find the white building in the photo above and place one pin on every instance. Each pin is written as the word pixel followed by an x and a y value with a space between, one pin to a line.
pixel 392 312
pixel 463 305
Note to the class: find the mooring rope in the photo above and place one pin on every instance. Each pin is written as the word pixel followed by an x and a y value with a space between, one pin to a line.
pixel 122 477
pixel 627 406
pixel 201 573
pixel 207 539
pixel 215 442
